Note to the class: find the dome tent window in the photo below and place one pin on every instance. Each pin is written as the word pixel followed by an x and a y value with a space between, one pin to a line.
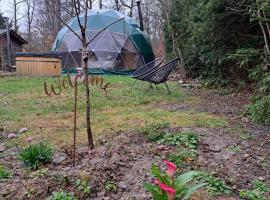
pixel 121 47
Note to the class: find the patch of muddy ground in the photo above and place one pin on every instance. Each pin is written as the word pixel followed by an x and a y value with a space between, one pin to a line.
pixel 237 154
pixel 244 146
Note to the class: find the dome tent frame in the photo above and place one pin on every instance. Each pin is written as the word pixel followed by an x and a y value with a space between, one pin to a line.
pixel 121 47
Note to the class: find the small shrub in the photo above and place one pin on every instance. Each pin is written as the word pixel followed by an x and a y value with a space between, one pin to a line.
pixel 110 186
pixel 62 196
pixel 215 186
pixel 259 191
pixel 40 173
pixel 259 110
pixel 182 156
pixel 234 148
pixel 154 128
pixel 83 186
pixel 191 140
pixel 36 154
pixel 155 131
pixel 4 173
pixel 188 139
pixel 172 139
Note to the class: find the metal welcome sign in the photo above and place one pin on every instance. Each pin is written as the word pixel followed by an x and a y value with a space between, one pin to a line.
pixel 69 83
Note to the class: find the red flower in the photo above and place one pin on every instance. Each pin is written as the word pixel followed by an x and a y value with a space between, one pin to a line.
pixel 157 182
pixel 169 191
pixel 171 168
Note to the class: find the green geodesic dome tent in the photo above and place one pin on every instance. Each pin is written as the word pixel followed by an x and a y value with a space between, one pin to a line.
pixel 121 47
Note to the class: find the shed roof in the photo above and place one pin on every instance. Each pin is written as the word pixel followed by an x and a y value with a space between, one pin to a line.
pixel 14 34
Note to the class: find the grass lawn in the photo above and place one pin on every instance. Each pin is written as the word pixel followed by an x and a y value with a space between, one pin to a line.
pixel 23 103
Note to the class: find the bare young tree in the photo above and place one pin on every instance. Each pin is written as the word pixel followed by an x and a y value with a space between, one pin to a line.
pixel 79 8
pixel 129 5
pixel 82 37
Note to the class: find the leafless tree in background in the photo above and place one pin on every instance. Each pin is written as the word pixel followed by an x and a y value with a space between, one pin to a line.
pixel 46 24
pixel 16 3
pixel 30 7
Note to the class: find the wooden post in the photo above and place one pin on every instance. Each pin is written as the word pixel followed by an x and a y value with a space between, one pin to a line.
pixel 8 45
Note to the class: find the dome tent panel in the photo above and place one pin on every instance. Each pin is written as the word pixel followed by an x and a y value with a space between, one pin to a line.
pixel 120 63
pixel 129 46
pixel 107 42
pixel 108 47
pixel 104 60
pixel 119 39
pixel 130 59
pixel 70 59
pixel 90 35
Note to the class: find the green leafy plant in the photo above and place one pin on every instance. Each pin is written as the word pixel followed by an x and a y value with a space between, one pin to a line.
pixel 259 110
pixel 215 186
pixel 4 173
pixel 36 154
pixel 62 196
pixel 110 186
pixel 39 173
pixel 83 186
pixel 155 131
pixel 155 127
pixel 168 187
pixel 182 156
pixel 260 191
pixel 235 148
pixel 188 139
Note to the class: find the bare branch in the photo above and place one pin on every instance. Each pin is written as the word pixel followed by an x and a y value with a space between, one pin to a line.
pixel 60 18
pixel 77 11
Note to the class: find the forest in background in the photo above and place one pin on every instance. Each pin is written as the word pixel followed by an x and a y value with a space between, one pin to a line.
pixel 225 43
pixel 222 42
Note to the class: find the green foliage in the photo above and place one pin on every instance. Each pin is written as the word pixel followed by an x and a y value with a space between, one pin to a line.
pixel 234 148
pixel 215 186
pixel 188 139
pixel 40 173
pixel 221 40
pixel 155 131
pixel 182 156
pixel 259 191
pixel 2 21
pixel 185 184
pixel 36 154
pixel 83 186
pixel 110 186
pixel 259 110
pixel 62 196
pixel 4 173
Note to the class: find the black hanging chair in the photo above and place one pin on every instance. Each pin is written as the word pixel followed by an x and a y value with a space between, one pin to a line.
pixel 147 69
pixel 156 74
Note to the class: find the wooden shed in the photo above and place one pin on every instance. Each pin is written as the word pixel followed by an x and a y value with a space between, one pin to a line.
pixel 10 43
pixel 38 64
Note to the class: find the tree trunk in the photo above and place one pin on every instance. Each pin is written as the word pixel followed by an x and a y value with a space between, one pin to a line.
pixel 262 27
pixel 87 90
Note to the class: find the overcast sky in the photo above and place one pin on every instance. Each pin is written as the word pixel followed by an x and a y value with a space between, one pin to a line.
pixel 6 7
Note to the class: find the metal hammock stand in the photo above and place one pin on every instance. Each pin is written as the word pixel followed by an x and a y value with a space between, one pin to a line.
pixel 157 74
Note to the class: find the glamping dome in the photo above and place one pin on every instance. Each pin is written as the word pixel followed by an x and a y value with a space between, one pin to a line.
pixel 121 47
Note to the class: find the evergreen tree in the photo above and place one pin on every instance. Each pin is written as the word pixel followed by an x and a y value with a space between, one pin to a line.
pixel 2 21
